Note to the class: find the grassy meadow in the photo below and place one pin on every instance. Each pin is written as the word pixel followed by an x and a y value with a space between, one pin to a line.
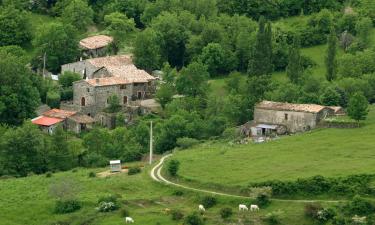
pixel 328 152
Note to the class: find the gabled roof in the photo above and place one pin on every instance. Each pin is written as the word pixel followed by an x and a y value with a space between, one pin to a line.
pixel 46 121
pixel 81 118
pixel 95 42
pixel 59 113
pixel 283 106
pixel 111 61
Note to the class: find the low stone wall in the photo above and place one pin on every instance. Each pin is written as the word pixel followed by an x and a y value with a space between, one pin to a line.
pixel 335 124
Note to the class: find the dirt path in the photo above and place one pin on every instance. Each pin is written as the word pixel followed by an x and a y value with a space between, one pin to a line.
pixel 156 175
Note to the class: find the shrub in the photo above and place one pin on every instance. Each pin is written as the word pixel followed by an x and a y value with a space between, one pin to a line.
pixel 359 206
pixel 74 170
pixel 226 213
pixel 109 198
pixel 186 142
pixel 134 170
pixel 263 199
pixel 272 218
pixel 124 212
pixel 107 206
pixel 92 174
pixel 178 193
pixel 48 174
pixel 67 206
pixel 193 219
pixel 173 167
pixel 209 201
pixel 177 214
pixel 53 99
pixel 325 215
pixel 312 209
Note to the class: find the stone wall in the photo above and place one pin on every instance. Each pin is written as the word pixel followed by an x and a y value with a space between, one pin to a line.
pixel 81 67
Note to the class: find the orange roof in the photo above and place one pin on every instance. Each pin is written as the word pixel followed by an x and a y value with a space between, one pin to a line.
pixel 95 42
pixel 59 113
pixel 115 60
pixel 46 121
pixel 312 108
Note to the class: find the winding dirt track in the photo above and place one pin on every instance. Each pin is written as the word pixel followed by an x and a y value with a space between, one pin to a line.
pixel 156 175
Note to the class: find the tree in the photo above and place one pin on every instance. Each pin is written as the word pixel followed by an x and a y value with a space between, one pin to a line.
pixel 330 97
pixel 119 25
pixel 53 99
pixel 165 94
pixel 67 78
pixel 147 52
pixel 78 13
pixel 60 157
pixel 363 28
pixel 14 26
pixel 192 80
pixel 59 43
pixel 330 60
pixel 217 59
pixel 358 107
pixel 294 70
pixel 173 167
pixel 261 58
pixel 18 96
pixel 113 104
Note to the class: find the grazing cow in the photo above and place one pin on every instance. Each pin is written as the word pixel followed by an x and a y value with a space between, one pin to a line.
pixel 201 208
pixel 242 207
pixel 254 208
pixel 129 220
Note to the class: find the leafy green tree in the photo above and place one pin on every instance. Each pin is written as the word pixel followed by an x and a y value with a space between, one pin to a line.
pixel 330 97
pixel 261 59
pixel 113 104
pixel 147 51
pixel 78 13
pixel 363 28
pixel 173 167
pixel 169 74
pixel 358 107
pixel 192 80
pixel 217 59
pixel 14 26
pixel 165 94
pixel 67 78
pixel 243 49
pixel 119 25
pixel 233 83
pixel 124 146
pixel 53 99
pixel 59 43
pixel 330 60
pixel 24 150
pixel 59 155
pixel 257 87
pixel 97 142
pixel 18 96
pixel 294 70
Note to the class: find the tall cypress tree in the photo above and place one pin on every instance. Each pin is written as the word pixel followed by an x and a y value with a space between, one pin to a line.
pixel 330 60
pixel 294 70
pixel 261 58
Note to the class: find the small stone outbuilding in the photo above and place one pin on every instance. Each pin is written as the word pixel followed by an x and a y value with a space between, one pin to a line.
pixel 95 46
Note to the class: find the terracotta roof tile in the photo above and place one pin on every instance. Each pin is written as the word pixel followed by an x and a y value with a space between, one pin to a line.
pixel 107 81
pixel 46 121
pixel 95 42
pixel 313 108
pixel 81 118
pixel 59 113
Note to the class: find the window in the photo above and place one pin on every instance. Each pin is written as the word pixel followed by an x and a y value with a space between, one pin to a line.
pixel 125 100
pixel 88 89
pixel 286 116
pixel 123 86
pixel 83 101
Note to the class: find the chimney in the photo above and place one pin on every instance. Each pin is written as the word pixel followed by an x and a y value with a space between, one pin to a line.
pixel 97 80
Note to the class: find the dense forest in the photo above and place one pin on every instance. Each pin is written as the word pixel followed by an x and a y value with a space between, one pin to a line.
pixel 194 43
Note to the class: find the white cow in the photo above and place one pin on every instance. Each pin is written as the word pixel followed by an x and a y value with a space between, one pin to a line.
pixel 129 220
pixel 201 208
pixel 254 208
pixel 242 207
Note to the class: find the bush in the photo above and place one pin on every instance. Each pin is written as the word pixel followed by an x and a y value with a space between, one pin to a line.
pixel 193 219
pixel 263 200
pixel 109 198
pixel 178 193
pixel 173 167
pixel 312 209
pixel 209 201
pixel 124 212
pixel 177 214
pixel 272 218
pixel 67 206
pixel 226 213
pixel 359 206
pixel 92 174
pixel 53 99
pixel 325 215
pixel 107 207
pixel 186 142
pixel 134 170
pixel 48 174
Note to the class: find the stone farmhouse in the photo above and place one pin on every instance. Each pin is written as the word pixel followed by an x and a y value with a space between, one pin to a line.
pixel 95 46
pixel 69 120
pixel 283 118
pixel 107 76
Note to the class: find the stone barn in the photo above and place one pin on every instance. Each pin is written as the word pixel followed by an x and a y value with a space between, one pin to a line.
pixel 294 117
pixel 95 46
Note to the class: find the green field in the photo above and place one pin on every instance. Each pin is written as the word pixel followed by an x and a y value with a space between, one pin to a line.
pixel 327 152
pixel 27 201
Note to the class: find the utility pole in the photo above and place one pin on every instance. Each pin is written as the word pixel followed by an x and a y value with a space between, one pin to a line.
pixel 44 65
pixel 151 139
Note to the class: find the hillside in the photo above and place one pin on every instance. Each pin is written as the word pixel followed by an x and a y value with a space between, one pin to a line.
pixel 328 152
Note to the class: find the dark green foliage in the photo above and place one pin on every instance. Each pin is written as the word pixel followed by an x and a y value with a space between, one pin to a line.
pixel 178 193
pixel 124 212
pixel 272 219
pixel 192 80
pixel 109 198
pixel 134 170
pixel 359 206
pixel 209 201
pixel 217 60
pixel 193 219
pixel 358 107
pixel 165 94
pixel 59 155
pixel 113 104
pixel 330 60
pixel 14 27
pixel 330 97
pixel 67 78
pixel 53 99
pixel 263 200
pixel 226 212
pixel 67 206
pixel 177 214
pixel 311 210
pixel 78 13
pixel 119 25
pixel 294 70
pixel 92 174
pixel 261 58
pixel 60 44
pixel 147 51
pixel 48 174
pixel 186 142
pixel 173 167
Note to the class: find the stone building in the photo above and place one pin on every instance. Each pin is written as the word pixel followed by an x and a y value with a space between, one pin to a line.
pixel 95 46
pixel 294 118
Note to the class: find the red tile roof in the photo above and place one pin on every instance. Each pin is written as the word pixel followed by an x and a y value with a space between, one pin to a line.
pixel 59 113
pixel 283 106
pixel 46 121
pixel 95 42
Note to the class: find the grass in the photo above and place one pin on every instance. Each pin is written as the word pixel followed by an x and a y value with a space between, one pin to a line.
pixel 27 201
pixel 327 152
